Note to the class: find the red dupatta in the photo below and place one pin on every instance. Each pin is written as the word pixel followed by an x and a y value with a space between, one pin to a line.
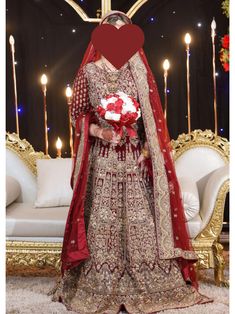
pixel 75 249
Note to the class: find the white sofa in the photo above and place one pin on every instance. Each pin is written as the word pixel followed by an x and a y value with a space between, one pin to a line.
pixel 34 235
pixel 23 220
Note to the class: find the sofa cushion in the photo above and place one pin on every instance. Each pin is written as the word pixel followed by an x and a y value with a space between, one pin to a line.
pixel 53 182
pixel 190 197
pixel 194 226
pixel 12 190
pixel 17 168
pixel 22 220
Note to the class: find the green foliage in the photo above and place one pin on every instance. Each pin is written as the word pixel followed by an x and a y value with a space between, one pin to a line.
pixel 225 7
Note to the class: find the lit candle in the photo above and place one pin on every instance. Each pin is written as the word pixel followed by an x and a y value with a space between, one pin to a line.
pixel 187 40
pixel 166 66
pixel 69 94
pixel 59 146
pixel 213 28
pixel 44 82
pixel 12 44
pixel 44 90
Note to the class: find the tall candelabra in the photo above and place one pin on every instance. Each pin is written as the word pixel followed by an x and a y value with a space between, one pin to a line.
pixel 213 28
pixel 69 102
pixel 187 40
pixel 166 66
pixel 12 44
pixel 44 90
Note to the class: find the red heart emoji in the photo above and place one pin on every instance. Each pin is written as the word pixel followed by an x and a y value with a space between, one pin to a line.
pixel 117 45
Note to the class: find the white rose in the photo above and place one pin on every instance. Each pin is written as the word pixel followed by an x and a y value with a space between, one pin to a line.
pixel 112 116
pixel 104 103
pixel 112 99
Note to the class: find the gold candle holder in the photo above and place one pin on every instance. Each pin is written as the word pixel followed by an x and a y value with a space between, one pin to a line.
pixel 187 40
pixel 12 44
pixel 58 146
pixel 213 34
pixel 69 94
pixel 166 66
pixel 44 90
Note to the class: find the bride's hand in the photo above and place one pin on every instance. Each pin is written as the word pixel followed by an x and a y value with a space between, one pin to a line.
pixel 110 135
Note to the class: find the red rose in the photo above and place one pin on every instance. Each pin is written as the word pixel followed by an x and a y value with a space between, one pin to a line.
pixel 123 119
pixel 109 96
pixel 118 105
pixel 119 102
pixel 135 103
pixel 128 118
pixel 225 41
pixel 226 67
pixel 101 111
pixel 110 107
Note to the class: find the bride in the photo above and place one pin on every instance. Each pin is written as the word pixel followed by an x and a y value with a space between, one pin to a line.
pixel 126 242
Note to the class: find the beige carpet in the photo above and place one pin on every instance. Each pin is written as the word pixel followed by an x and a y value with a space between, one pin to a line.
pixel 28 295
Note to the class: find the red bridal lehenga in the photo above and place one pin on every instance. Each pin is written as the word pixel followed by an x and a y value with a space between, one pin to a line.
pixel 126 240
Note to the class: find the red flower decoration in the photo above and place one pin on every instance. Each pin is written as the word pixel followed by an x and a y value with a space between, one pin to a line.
pixel 225 42
pixel 226 67
pixel 224 53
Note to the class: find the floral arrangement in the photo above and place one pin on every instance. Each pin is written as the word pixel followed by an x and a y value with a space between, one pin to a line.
pixel 120 109
pixel 224 53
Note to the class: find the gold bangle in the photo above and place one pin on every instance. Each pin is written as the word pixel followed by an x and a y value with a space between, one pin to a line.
pixel 145 153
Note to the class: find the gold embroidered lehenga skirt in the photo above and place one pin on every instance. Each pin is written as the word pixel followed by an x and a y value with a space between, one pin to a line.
pixel 123 268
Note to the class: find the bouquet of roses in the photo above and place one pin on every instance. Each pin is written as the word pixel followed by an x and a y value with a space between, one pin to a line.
pixel 120 109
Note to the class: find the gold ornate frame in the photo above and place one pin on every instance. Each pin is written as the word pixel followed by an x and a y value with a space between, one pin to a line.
pixel 24 150
pixel 206 244
pixel 105 7
pixel 37 258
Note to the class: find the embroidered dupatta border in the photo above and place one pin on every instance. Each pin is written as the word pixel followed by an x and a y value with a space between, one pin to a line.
pixel 163 219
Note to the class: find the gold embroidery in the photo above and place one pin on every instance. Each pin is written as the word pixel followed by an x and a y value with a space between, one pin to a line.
pixel 124 265
pixel 79 155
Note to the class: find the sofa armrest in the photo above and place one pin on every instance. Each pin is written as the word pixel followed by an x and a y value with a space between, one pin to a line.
pixel 214 183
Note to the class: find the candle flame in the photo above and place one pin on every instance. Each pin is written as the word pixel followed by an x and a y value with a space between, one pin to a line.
pixel 68 92
pixel 44 79
pixel 187 39
pixel 213 24
pixel 166 65
pixel 58 143
pixel 11 40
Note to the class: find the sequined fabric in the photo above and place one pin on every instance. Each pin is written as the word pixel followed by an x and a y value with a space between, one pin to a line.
pixel 123 268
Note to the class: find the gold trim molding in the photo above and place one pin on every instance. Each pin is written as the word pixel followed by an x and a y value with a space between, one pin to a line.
pixel 37 258
pixel 214 227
